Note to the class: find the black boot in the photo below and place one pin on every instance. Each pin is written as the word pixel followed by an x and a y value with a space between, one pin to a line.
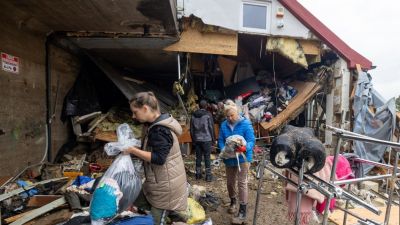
pixel 242 211
pixel 232 206
pixel 198 174
pixel 241 216
pixel 209 177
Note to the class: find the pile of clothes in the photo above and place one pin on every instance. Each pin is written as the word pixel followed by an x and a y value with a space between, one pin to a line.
pixel 273 98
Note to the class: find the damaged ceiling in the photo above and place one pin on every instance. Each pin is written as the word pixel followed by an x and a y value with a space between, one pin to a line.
pixel 127 33
pixel 130 16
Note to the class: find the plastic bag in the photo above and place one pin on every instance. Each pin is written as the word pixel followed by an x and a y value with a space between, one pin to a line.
pixel 126 139
pixel 195 212
pixel 231 143
pixel 104 203
pixel 123 171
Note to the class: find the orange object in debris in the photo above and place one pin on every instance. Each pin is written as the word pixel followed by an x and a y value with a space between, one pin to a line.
pixel 72 175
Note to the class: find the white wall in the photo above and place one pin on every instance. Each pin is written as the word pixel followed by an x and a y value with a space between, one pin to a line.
pixel 227 14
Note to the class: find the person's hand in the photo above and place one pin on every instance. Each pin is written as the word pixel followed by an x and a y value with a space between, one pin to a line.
pixel 128 151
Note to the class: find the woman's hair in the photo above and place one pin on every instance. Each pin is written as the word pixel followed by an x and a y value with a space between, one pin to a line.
pixel 145 98
pixel 230 105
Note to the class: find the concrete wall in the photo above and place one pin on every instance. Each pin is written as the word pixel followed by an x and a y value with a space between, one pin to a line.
pixel 23 97
pixel 227 14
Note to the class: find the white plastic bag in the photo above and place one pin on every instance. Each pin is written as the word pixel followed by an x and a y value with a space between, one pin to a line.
pixel 231 142
pixel 126 139
pixel 130 184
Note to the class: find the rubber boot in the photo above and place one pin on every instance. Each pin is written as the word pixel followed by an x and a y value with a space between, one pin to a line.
pixel 232 206
pixel 209 176
pixel 198 174
pixel 241 216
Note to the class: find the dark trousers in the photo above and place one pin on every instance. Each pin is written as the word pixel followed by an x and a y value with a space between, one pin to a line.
pixel 203 149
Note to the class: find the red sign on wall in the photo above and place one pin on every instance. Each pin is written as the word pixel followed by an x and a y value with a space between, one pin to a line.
pixel 9 63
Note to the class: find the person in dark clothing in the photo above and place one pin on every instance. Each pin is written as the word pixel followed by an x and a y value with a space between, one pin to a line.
pixel 202 133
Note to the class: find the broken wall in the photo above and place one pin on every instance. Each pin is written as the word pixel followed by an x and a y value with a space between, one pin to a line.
pixel 23 95
pixel 338 100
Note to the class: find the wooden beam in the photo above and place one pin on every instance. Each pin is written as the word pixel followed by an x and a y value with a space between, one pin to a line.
pixel 20 190
pixel 39 211
pixel 192 40
pixel 41 200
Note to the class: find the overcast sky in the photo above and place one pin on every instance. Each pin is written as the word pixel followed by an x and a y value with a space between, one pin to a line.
pixel 371 28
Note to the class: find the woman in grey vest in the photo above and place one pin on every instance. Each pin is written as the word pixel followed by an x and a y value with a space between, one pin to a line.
pixel 165 186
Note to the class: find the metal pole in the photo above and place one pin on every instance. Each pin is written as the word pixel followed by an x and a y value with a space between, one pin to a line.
pixel 392 184
pixel 299 194
pixel 333 173
pixel 354 136
pixel 260 181
pixel 179 67
pixel 346 207
pixel 372 140
pixel 372 163
pixel 355 180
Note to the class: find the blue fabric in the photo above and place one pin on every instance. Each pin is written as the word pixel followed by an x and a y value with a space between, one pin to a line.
pixel 30 192
pixel 136 220
pixel 243 128
pixel 80 180
pixel 104 203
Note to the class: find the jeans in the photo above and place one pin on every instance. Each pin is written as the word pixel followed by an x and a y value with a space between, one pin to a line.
pixel 203 149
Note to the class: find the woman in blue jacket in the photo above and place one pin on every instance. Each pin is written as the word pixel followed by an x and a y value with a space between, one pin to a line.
pixel 235 124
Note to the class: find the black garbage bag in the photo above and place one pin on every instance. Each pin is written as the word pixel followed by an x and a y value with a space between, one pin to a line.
pixel 296 144
pixel 210 202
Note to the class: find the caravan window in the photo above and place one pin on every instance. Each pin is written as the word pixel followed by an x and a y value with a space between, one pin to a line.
pixel 255 16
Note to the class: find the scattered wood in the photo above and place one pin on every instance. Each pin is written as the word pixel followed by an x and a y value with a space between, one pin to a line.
pixel 52 218
pixel 41 200
pixel 16 217
pixel 39 211
pixel 20 190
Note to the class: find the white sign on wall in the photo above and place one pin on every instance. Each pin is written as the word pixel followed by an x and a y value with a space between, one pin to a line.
pixel 9 63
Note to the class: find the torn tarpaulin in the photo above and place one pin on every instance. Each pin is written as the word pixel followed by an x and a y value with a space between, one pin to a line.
pixel 379 124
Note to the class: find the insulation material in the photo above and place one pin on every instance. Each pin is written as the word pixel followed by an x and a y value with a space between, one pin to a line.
pixel 379 124
pixel 289 48
pixel 305 90
pixel 195 41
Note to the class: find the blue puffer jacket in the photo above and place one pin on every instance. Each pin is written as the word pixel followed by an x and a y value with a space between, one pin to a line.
pixel 243 128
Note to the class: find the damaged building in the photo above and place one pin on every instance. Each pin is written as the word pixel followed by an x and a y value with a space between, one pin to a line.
pixel 70 67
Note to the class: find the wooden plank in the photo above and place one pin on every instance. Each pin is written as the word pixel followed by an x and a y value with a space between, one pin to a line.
pixel 20 190
pixel 56 217
pixel 227 67
pixel 310 47
pixel 192 40
pixel 337 216
pixel 40 211
pixel 41 200
pixel 16 217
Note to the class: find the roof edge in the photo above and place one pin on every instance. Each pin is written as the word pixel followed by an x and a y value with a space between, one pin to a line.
pixel 325 34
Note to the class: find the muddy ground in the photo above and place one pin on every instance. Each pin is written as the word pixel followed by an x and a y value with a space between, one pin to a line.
pixel 272 208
